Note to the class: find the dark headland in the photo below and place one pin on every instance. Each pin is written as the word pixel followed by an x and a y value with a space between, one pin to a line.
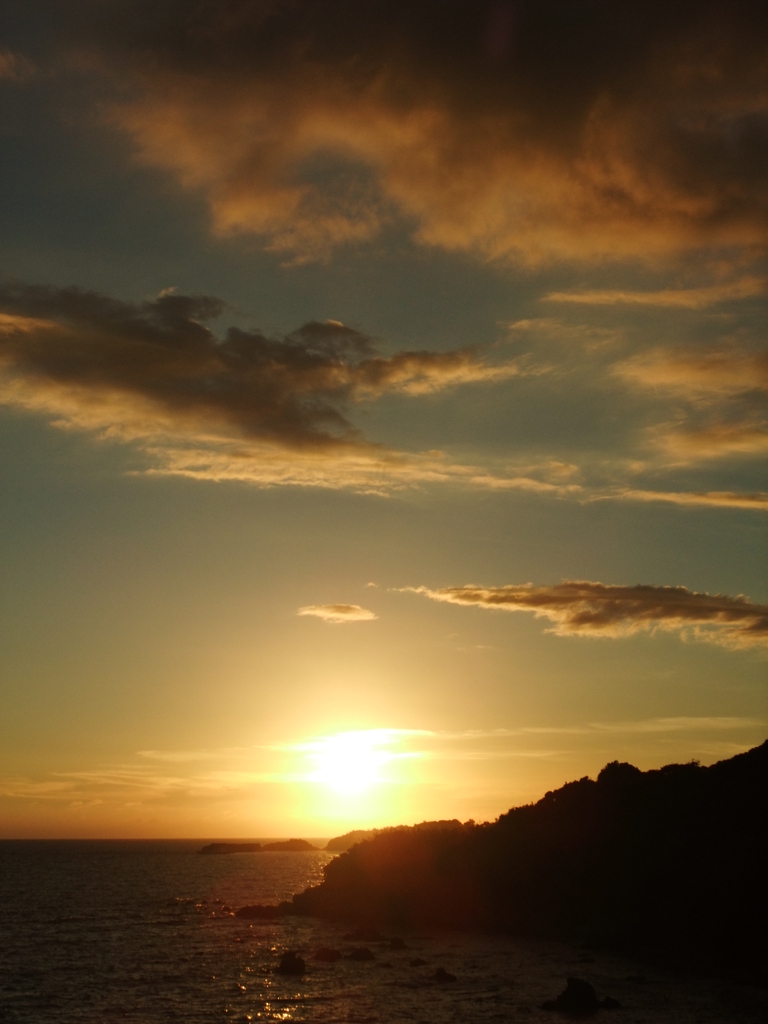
pixel 340 844
pixel 670 864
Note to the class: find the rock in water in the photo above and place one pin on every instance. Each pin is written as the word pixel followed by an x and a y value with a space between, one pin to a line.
pixel 578 999
pixel 291 963
pixel 442 976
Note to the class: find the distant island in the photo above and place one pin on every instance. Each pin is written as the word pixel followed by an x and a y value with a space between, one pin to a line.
pixel 284 846
pixel 340 844
pixel 670 864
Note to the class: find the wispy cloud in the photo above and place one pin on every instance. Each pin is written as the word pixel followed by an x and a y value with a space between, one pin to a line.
pixel 683 298
pixel 338 613
pixel 680 723
pixel 16 787
pixel 756 501
pixel 190 756
pixel 720 397
pixel 582 608
pixel 746 437
pixel 386 736
pixel 698 373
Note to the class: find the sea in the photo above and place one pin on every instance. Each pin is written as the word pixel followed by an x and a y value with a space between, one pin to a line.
pixel 100 932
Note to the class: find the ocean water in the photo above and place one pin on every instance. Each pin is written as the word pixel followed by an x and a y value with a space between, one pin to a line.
pixel 100 932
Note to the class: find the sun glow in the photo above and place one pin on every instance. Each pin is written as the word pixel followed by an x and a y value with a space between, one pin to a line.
pixel 352 762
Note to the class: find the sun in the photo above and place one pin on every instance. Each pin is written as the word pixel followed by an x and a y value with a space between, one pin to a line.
pixel 351 762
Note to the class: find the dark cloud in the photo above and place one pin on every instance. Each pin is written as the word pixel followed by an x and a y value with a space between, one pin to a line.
pixel 534 130
pixel 238 405
pixel 291 389
pixel 582 608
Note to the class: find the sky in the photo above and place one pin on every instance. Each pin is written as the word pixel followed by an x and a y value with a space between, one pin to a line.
pixel 383 421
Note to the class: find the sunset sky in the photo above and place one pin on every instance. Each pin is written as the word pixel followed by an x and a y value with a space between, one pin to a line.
pixel 382 406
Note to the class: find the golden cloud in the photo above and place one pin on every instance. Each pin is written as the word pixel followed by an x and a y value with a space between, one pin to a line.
pixel 315 126
pixel 724 390
pixel 583 608
pixel 698 372
pixel 746 438
pixel 683 298
pixel 756 501
pixel 338 613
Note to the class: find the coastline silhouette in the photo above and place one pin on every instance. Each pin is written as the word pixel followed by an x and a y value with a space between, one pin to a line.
pixel 669 864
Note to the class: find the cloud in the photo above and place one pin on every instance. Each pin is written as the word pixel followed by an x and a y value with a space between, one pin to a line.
pixel 365 469
pixel 187 756
pixel 715 441
pixel 338 612
pixel 698 373
pixel 525 483
pixel 757 501
pixel 271 410
pixel 239 405
pixel 26 789
pixel 423 373
pixel 708 401
pixel 684 298
pixel 724 389
pixel 681 723
pixel 14 67
pixel 595 131
pixel 136 782
pixel 160 355
pixel 582 608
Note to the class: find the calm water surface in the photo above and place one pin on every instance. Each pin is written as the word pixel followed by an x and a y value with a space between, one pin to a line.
pixel 99 932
